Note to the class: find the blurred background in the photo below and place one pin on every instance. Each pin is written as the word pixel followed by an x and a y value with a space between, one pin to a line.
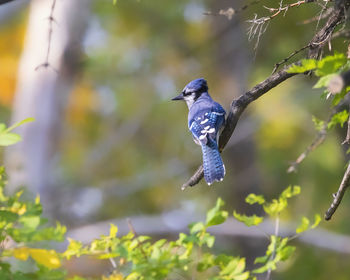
pixel 108 143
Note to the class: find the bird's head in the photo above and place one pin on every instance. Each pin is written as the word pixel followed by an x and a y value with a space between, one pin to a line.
pixel 192 91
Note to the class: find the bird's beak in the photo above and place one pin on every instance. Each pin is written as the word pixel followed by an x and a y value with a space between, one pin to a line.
pixel 179 97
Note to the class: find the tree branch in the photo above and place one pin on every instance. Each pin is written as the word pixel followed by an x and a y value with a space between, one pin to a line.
pixel 5 1
pixel 338 196
pixel 325 33
pixel 237 107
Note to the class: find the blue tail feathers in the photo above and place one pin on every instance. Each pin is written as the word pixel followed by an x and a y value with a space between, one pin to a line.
pixel 214 169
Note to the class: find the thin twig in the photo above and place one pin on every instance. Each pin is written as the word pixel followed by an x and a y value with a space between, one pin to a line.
pixel 338 196
pixel 278 64
pixel 113 263
pixel 51 19
pixel 277 226
pixel 319 139
pixel 258 26
pixel 131 227
pixel 230 12
pixel 322 15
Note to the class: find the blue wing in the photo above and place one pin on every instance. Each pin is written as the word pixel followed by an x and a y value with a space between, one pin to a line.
pixel 206 123
pixel 205 120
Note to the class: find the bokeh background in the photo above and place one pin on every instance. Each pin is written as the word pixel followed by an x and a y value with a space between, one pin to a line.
pixel 108 143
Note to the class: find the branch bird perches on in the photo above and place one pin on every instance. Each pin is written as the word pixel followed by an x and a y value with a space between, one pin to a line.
pixel 236 109
pixel 315 46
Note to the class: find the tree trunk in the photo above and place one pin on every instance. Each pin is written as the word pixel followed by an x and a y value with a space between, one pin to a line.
pixel 42 90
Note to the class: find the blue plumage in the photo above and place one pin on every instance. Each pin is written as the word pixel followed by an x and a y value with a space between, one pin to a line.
pixel 205 118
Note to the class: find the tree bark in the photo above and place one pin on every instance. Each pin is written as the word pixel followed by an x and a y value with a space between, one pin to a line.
pixel 42 90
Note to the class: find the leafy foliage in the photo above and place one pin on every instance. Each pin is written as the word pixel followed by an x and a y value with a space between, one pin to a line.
pixel 326 69
pixel 326 66
pixel 21 222
pixel 338 118
pixel 9 138
pixel 278 249
pixel 139 257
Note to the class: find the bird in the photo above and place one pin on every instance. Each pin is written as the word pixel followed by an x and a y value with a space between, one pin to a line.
pixel 205 120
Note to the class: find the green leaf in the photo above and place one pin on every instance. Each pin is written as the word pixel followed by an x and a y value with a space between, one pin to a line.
pixel 324 81
pixel 248 220
pixel 330 64
pixel 208 239
pixel 269 265
pixel 231 267
pixel 317 221
pixel 243 276
pixel 206 262
pixel 31 222
pixel 262 259
pixel 7 138
pixel 8 216
pixel 275 207
pixel 216 216
pixel 339 97
pixel 285 253
pixel 74 249
pixel 318 123
pixel 253 198
pixel 306 65
pixel 290 192
pixel 304 225
pixel 222 260
pixel 17 124
pixel 240 267
pixel 196 227
pixel 338 118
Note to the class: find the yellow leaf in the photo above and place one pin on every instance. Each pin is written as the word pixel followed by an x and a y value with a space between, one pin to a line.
pixel 22 210
pixel 21 253
pixel 19 209
pixel 113 231
pixel 46 258
pixel 117 276
pixel 37 199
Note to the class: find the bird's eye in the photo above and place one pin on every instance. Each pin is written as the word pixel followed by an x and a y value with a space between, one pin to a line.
pixel 186 93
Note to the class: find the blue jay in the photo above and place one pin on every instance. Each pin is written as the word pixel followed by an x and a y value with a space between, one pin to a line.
pixel 205 119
